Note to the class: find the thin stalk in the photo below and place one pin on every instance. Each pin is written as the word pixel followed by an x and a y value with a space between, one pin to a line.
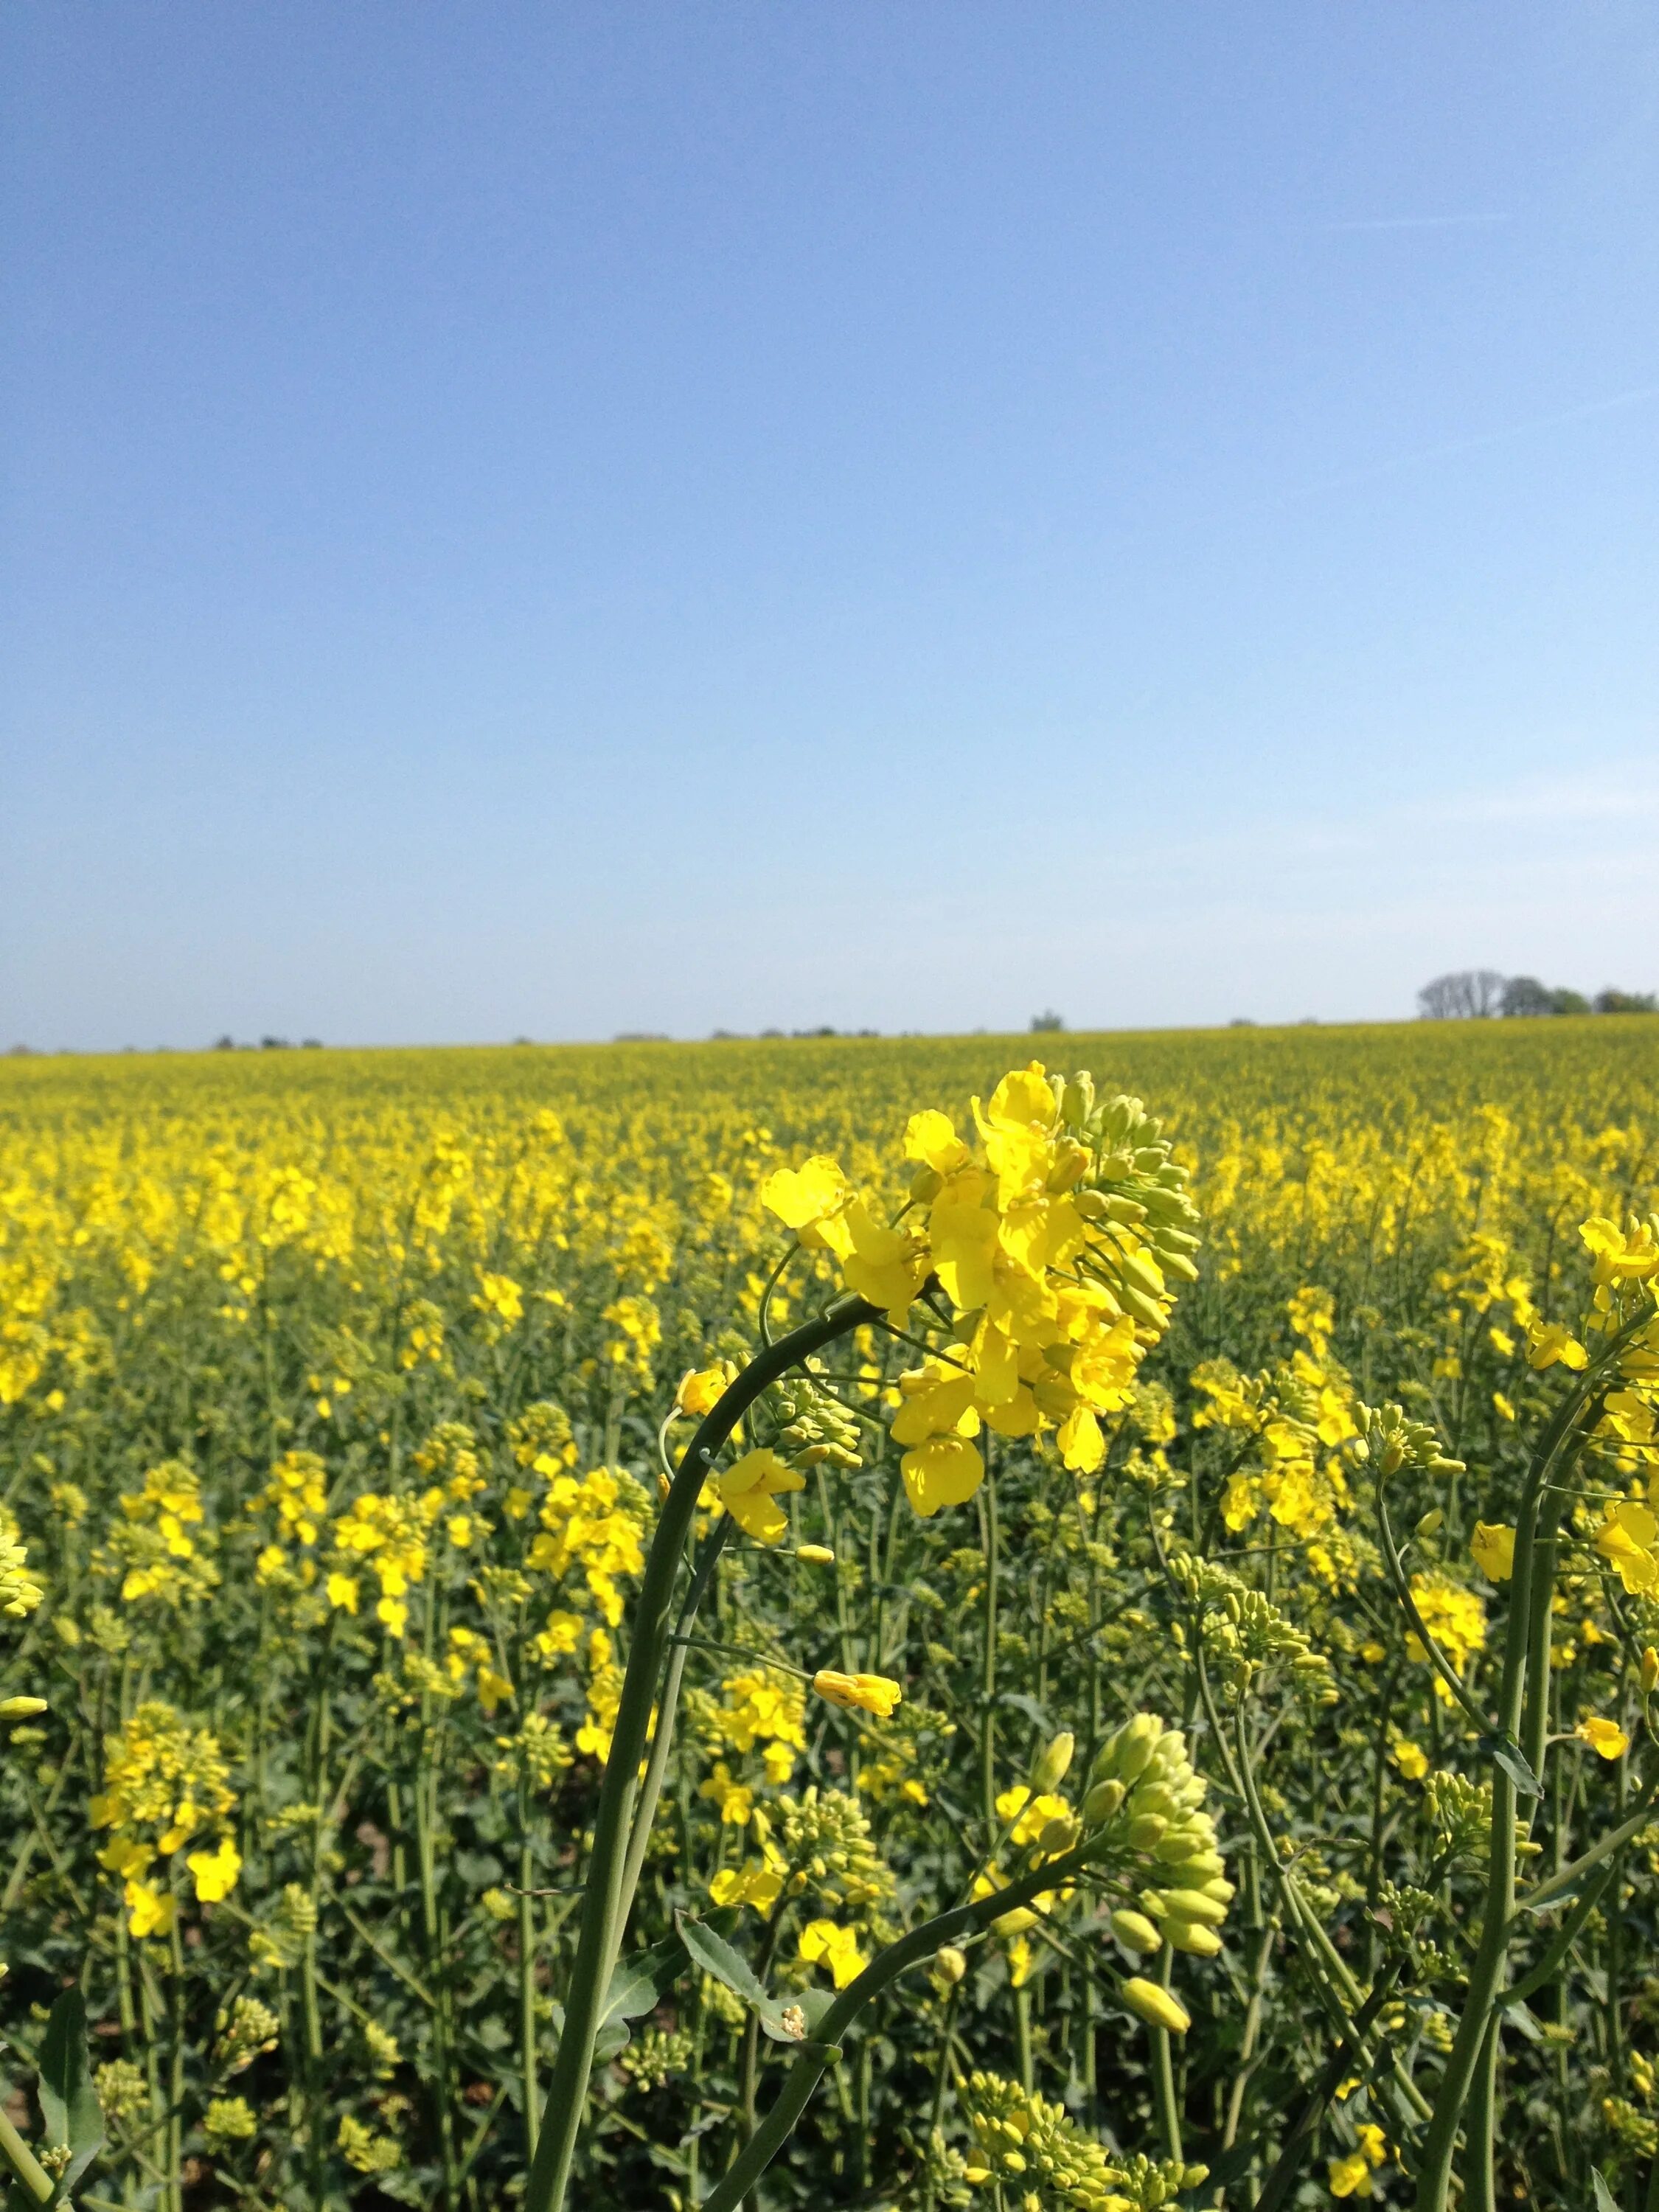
pixel 601 1923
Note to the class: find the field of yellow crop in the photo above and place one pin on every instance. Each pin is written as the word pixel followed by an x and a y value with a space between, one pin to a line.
pixel 340 1394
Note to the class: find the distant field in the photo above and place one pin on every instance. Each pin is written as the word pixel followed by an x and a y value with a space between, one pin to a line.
pixel 331 1384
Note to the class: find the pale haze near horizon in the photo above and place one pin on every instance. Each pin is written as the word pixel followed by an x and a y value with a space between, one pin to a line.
pixel 552 523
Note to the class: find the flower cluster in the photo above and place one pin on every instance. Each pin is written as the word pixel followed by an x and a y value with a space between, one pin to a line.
pixel 1054 1242
pixel 166 1785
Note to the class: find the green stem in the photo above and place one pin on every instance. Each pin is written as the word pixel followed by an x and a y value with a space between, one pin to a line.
pixel 601 1922
pixel 803 2077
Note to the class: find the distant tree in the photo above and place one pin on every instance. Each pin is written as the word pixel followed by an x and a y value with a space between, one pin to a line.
pixel 224 1044
pixel 1470 994
pixel 1042 1024
pixel 1525 997
pixel 1241 1022
pixel 274 1044
pixel 1569 1002
pixel 1627 1002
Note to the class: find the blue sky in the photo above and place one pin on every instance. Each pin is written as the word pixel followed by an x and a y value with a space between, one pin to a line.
pixel 553 521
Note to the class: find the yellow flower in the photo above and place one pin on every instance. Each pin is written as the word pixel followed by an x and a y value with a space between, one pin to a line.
pixel 151 1911
pixel 1411 1759
pixel 215 1871
pixel 803 1198
pixel 748 1489
pixel 1605 1738
pixel 759 1885
pixel 734 1799
pixel 701 1391
pixel 1627 1541
pixel 1349 2176
pixel 866 1693
pixel 1493 1547
pixel 822 1943
pixel 943 1470
pixel 1548 1341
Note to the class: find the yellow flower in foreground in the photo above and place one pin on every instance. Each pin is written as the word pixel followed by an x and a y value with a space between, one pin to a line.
pixel 151 1911
pixel 1412 1759
pixel 215 1871
pixel 1605 1738
pixel 748 1490
pixel 863 1694
pixel 822 1943
pixel 943 1470
pixel 1493 1547
pixel 700 1393
pixel 758 1886
pixel 1548 1341
pixel 1626 1540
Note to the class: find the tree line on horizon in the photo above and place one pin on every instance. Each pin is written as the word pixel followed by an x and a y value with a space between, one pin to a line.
pixel 1478 993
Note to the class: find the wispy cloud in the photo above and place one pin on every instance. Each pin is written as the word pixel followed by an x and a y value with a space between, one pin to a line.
pixel 1416 222
pixel 1529 426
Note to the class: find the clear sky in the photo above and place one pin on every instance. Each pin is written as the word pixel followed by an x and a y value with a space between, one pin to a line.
pixel 559 518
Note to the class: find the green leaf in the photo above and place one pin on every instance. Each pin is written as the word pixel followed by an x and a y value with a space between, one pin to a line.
pixel 638 1983
pixel 716 1957
pixel 69 2103
pixel 1605 2201
pixel 1510 1756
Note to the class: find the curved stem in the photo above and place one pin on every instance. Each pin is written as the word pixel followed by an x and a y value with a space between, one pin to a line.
pixel 602 1899
pixel 775 2130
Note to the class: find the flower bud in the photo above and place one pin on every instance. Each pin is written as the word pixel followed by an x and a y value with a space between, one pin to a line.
pixel 1134 1931
pixel 21 1709
pixel 1195 1904
pixel 926 1185
pixel 1077 1100
pixel 1049 1767
pixel 1429 1524
pixel 1129 1752
pixel 815 1555
pixel 949 1965
pixel 1147 1831
pixel 1102 1801
pixel 1650 1670
pixel 1157 2007
pixel 1191 1935
pixel 1059 1834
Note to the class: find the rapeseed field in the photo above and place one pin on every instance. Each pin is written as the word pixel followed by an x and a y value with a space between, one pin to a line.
pixel 1066 1622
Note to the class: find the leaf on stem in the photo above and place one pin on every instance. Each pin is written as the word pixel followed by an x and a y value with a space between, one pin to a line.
pixel 783 2023
pixel 69 2103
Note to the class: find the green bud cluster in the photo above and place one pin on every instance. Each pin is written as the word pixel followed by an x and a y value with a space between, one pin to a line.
pixel 1124 1179
pixel 1461 1810
pixel 1149 2183
pixel 1244 1634
pixel 655 2058
pixel 1033 2147
pixel 826 1838
pixel 246 2029
pixel 122 2089
pixel 813 1429
pixel 1388 1439
pixel 1145 1806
